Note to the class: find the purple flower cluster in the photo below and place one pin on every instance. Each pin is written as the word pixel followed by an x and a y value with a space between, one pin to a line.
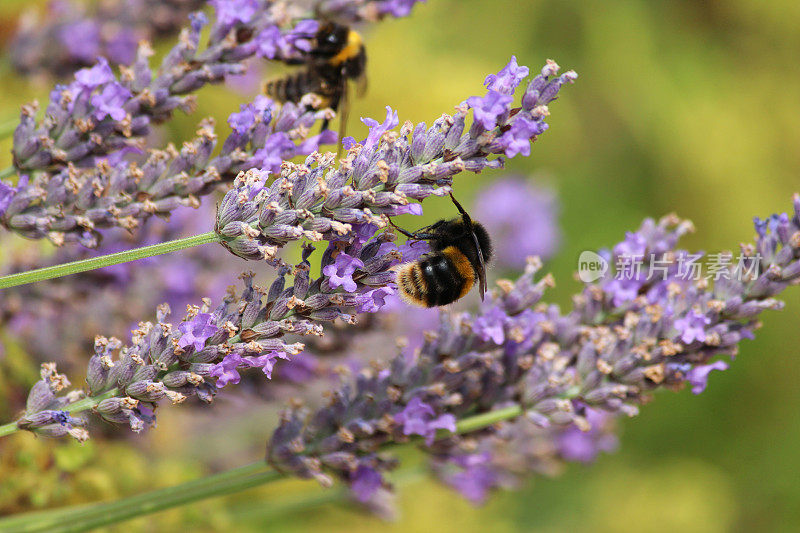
pixel 44 411
pixel 71 35
pixel 570 374
pixel 381 175
pixel 75 203
pixel 209 347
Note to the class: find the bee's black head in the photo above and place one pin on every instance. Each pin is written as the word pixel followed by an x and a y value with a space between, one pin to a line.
pixel 456 232
pixel 332 37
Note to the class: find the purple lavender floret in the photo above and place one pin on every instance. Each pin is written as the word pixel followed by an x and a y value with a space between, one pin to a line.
pixel 397 8
pixel 7 193
pixel 692 326
pixel 340 272
pixel 507 80
pixel 197 331
pixel 698 375
pixel 231 12
pixel 475 477
pixel 488 109
pixel 379 178
pixel 571 374
pixel 419 418
pixel 579 445
pixel 365 482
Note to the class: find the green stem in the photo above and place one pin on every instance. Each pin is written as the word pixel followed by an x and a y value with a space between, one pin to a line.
pixel 8 429
pixel 104 514
pixel 235 480
pixel 91 401
pixel 6 172
pixel 474 423
pixel 75 267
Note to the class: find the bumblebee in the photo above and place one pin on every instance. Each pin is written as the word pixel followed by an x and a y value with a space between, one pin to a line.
pixel 461 249
pixel 337 56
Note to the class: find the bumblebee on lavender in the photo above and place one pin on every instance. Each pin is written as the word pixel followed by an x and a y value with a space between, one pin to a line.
pixel 337 56
pixel 460 250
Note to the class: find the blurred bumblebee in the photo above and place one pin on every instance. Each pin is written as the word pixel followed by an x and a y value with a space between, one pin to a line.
pixel 337 57
pixel 461 249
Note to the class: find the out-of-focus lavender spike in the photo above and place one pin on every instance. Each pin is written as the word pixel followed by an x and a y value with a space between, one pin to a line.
pixel 379 176
pixel 526 225
pixel 56 320
pixel 71 34
pixel 363 10
pixel 569 373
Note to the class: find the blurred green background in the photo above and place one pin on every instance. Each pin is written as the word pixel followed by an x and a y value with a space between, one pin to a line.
pixel 687 107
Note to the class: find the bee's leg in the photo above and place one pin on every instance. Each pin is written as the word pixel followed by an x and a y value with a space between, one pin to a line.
pixel 417 235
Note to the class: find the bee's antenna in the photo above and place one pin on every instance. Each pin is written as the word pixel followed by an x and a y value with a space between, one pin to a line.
pixel 459 207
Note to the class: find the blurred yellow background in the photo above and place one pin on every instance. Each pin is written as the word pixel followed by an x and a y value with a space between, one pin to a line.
pixel 686 107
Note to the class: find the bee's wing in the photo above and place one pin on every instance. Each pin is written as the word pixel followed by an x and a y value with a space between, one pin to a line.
pixel 344 113
pixel 481 263
pixel 361 85
pixel 481 267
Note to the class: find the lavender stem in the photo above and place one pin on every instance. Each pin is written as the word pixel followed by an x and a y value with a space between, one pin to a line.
pixel 6 172
pixel 56 271
pixel 487 419
pixel 228 482
pixel 8 429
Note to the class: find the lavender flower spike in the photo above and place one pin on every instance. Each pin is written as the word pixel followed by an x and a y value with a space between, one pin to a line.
pixel 381 174
pixel 554 372
pixel 75 203
pixel 209 348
